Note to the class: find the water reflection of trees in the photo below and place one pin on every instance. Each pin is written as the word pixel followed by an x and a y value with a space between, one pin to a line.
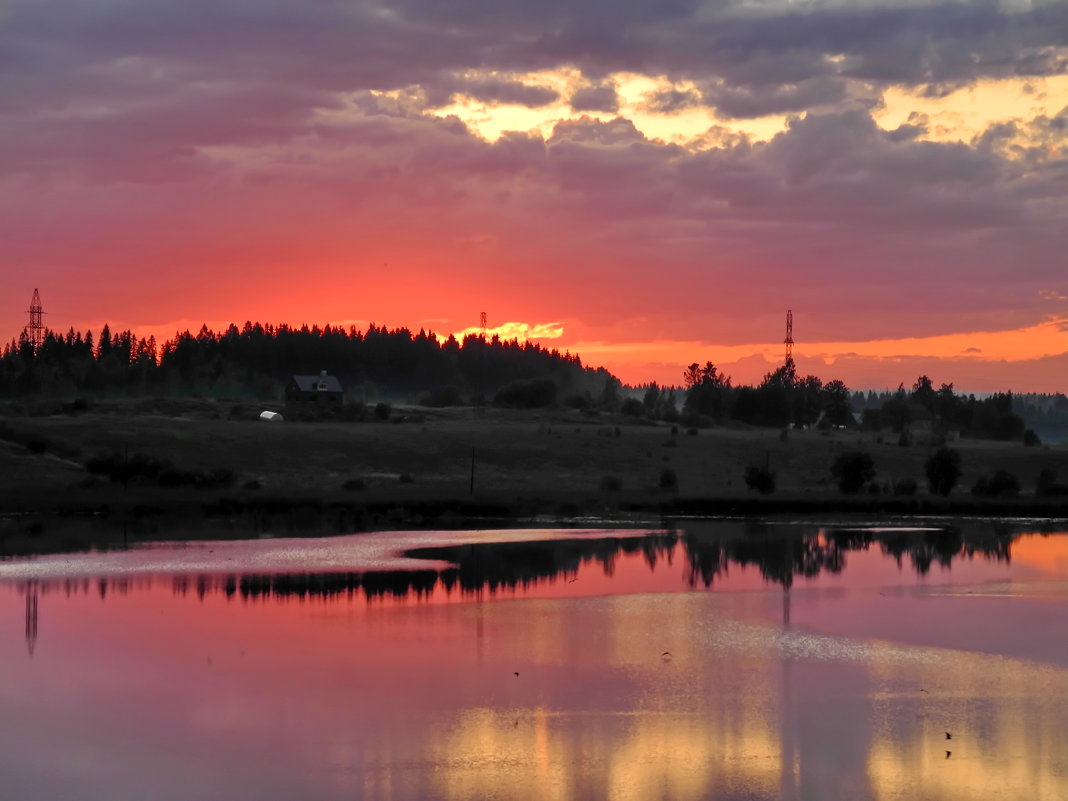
pixel 781 554
pixel 944 545
pixel 778 557
pixel 479 568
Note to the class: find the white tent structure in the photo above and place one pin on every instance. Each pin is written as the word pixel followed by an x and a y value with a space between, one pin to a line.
pixel 271 417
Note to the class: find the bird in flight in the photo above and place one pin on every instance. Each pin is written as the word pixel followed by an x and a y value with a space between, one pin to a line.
pixel 517 673
pixel 949 736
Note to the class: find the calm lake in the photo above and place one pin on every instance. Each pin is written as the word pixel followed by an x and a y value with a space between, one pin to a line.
pixel 716 660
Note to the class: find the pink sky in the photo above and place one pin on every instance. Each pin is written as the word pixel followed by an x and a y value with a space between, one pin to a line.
pixel 657 185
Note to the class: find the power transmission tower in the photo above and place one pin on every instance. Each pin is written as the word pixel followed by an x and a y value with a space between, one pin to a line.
pixel 35 330
pixel 789 341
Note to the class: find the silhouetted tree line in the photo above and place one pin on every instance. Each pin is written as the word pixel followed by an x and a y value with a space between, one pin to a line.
pixel 1037 410
pixel 785 398
pixel 256 360
pixel 990 417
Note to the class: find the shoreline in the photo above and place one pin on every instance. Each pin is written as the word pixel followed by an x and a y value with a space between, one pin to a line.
pixel 61 481
pixel 27 530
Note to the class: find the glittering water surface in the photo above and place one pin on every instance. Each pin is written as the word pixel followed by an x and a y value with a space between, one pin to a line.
pixel 718 660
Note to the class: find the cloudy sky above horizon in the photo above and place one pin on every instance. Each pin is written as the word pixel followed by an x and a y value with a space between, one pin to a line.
pixel 647 183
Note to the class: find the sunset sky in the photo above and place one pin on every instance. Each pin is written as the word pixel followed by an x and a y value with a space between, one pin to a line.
pixel 647 183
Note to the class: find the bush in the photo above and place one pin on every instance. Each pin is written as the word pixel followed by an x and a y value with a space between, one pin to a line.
pixel 120 469
pixel 1002 484
pixel 905 486
pixel 669 480
pixel 943 471
pixel 216 478
pixel 354 484
pixel 760 479
pixel 382 411
pixel 1030 439
pixel 632 407
pixel 405 478
pixel 852 470
pixel 535 393
pixel 37 445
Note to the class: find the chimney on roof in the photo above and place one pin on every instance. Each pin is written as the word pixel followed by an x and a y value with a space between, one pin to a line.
pixel 322 374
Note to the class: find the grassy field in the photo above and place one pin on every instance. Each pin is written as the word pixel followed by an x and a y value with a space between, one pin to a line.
pixel 548 463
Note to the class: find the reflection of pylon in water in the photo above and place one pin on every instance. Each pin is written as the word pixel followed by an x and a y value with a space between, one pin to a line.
pixel 789 770
pixel 31 616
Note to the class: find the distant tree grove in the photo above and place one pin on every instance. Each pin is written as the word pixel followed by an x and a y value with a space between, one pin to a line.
pixel 255 362
pixel 785 399
pixel 782 399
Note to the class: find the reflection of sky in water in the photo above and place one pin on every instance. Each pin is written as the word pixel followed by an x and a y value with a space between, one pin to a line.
pixel 153 690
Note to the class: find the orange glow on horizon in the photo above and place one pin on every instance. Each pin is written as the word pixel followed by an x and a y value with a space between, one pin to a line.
pixel 976 359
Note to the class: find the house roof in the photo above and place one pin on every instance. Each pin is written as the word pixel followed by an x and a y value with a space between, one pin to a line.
pixel 310 383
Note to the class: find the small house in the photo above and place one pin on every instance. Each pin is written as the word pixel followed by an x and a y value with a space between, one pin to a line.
pixel 314 393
